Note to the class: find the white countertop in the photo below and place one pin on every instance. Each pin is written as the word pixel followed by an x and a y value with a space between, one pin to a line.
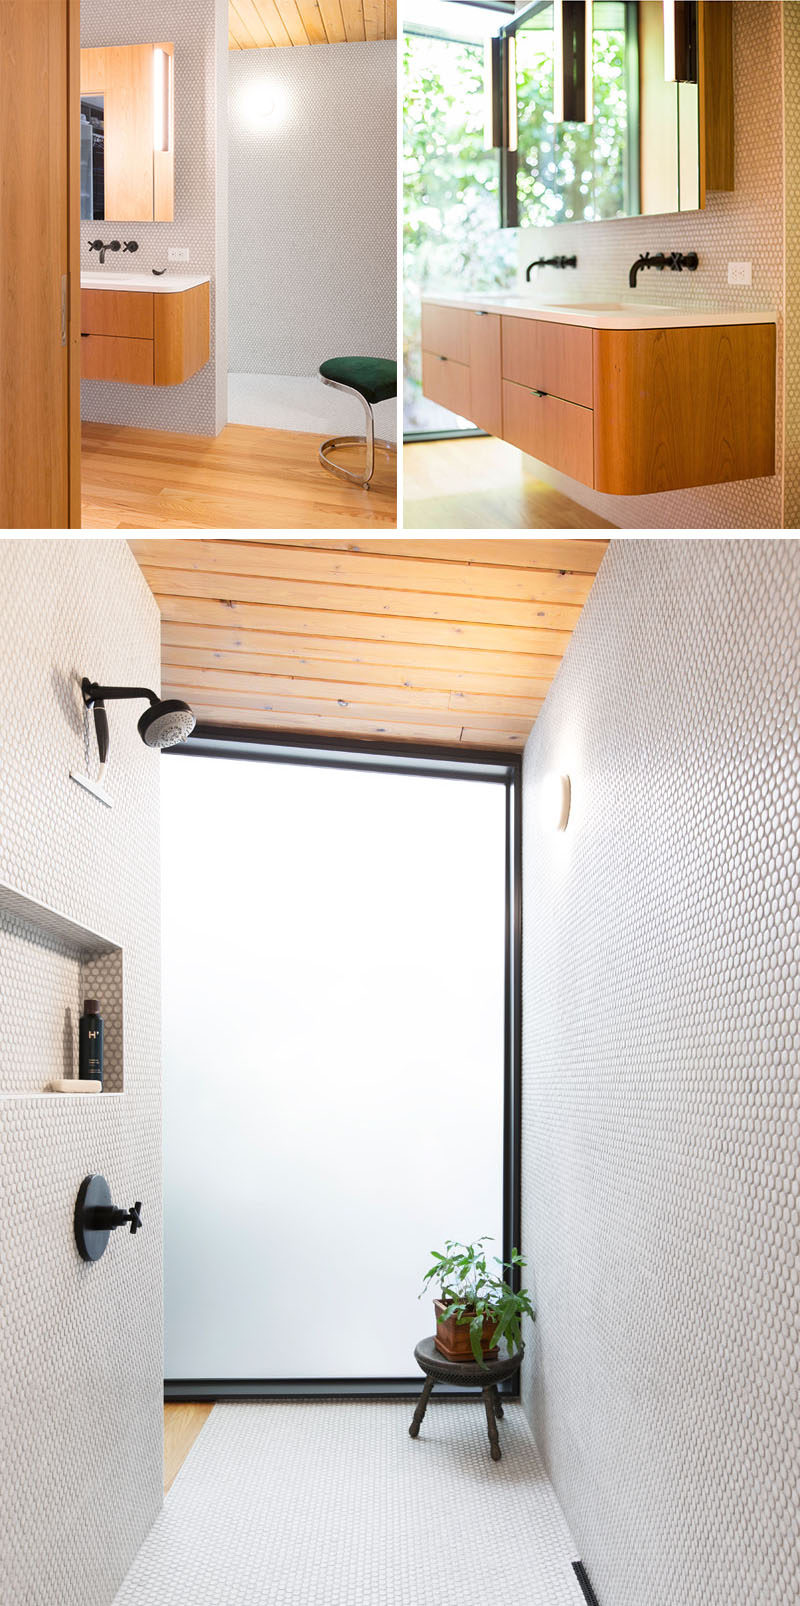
pixel 142 282
pixel 629 314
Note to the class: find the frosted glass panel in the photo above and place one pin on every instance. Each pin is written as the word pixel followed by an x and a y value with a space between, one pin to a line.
pixel 333 1010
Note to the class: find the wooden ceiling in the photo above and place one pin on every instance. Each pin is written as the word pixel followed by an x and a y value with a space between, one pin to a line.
pixel 255 24
pixel 434 641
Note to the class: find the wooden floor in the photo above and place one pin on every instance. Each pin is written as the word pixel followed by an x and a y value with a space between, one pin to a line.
pixel 481 483
pixel 244 479
pixel 182 1423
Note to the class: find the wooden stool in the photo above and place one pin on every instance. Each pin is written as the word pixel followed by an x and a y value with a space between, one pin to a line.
pixel 465 1375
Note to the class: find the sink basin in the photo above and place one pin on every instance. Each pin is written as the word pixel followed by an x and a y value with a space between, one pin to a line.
pixel 629 314
pixel 144 283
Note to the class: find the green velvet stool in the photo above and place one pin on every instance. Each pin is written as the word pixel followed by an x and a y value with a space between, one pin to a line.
pixel 372 380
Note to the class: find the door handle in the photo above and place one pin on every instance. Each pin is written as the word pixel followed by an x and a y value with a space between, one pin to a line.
pixel 64 297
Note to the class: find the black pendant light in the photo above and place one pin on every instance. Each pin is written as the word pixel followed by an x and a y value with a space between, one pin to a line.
pixel 573 89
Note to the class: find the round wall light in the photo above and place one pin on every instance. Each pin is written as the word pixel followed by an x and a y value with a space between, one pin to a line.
pixel 556 800
pixel 262 106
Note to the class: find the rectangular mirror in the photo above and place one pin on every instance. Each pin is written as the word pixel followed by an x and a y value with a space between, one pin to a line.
pixel 641 152
pixel 127 134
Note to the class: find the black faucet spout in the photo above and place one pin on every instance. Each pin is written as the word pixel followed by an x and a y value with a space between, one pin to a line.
pixel 550 262
pixel 676 261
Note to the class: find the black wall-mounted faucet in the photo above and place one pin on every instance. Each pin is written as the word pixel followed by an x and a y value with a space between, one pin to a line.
pixel 101 247
pixel 550 262
pixel 113 245
pixel 676 261
pixel 96 1217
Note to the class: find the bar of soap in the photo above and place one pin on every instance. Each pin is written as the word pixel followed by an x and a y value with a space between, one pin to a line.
pixel 75 1084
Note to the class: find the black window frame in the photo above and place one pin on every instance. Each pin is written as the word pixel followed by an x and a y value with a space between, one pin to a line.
pixel 481 767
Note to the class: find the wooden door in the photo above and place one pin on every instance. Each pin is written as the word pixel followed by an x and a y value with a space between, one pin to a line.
pixel 39 265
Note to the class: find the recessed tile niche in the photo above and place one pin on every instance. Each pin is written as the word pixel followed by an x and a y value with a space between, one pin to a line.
pixel 48 965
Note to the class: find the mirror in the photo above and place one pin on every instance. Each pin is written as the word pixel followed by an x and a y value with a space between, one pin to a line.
pixel 127 134
pixel 641 152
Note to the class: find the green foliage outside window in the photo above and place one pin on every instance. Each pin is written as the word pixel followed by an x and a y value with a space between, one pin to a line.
pixel 572 170
pixel 451 234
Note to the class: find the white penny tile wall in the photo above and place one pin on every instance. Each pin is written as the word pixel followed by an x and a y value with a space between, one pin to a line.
pixel 80 1345
pixel 791 59
pixel 313 206
pixel 661 1122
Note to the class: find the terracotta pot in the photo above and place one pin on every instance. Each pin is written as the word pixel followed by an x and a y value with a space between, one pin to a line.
pixel 452 1337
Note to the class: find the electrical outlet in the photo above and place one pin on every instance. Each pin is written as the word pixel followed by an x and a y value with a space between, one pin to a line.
pixel 178 253
pixel 740 273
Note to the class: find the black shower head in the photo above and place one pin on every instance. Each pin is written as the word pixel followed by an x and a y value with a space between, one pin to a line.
pixel 166 724
pixel 163 724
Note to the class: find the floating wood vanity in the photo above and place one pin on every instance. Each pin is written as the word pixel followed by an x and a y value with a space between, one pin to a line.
pixel 150 332
pixel 627 400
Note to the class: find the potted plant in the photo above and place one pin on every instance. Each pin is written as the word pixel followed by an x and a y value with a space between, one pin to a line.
pixel 477 1307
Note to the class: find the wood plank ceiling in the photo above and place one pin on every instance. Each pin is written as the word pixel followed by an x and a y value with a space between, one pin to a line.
pixel 256 24
pixel 431 641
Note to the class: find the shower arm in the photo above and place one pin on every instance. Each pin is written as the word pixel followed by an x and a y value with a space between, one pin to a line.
pixel 92 693
pixel 94 697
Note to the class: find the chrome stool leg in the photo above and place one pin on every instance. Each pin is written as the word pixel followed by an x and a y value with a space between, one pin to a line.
pixel 368 441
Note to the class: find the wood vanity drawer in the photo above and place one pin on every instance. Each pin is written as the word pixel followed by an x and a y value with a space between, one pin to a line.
pixel 445 332
pixel 128 313
pixel 556 357
pixel 554 431
pixel 113 357
pixel 447 383
pixel 486 383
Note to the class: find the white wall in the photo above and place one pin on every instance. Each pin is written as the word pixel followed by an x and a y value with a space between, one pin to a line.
pixel 661 1120
pixel 80 1345
pixel 199 31
pixel 313 206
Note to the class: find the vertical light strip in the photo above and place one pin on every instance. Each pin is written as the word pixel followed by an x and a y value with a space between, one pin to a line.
pixel 670 52
pixel 161 89
pixel 511 92
pixel 558 60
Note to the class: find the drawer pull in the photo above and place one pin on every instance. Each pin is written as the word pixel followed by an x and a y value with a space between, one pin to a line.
pixel 539 393
pixel 443 359
pixel 481 314
pixel 85 337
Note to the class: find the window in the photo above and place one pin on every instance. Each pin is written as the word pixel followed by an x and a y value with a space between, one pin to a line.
pixel 338 1047
pixel 452 238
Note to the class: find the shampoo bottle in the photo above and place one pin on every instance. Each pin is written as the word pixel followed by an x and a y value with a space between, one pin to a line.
pixel 90 1048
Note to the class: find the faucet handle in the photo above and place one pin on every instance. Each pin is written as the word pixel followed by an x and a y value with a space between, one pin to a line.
pixel 135 1216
